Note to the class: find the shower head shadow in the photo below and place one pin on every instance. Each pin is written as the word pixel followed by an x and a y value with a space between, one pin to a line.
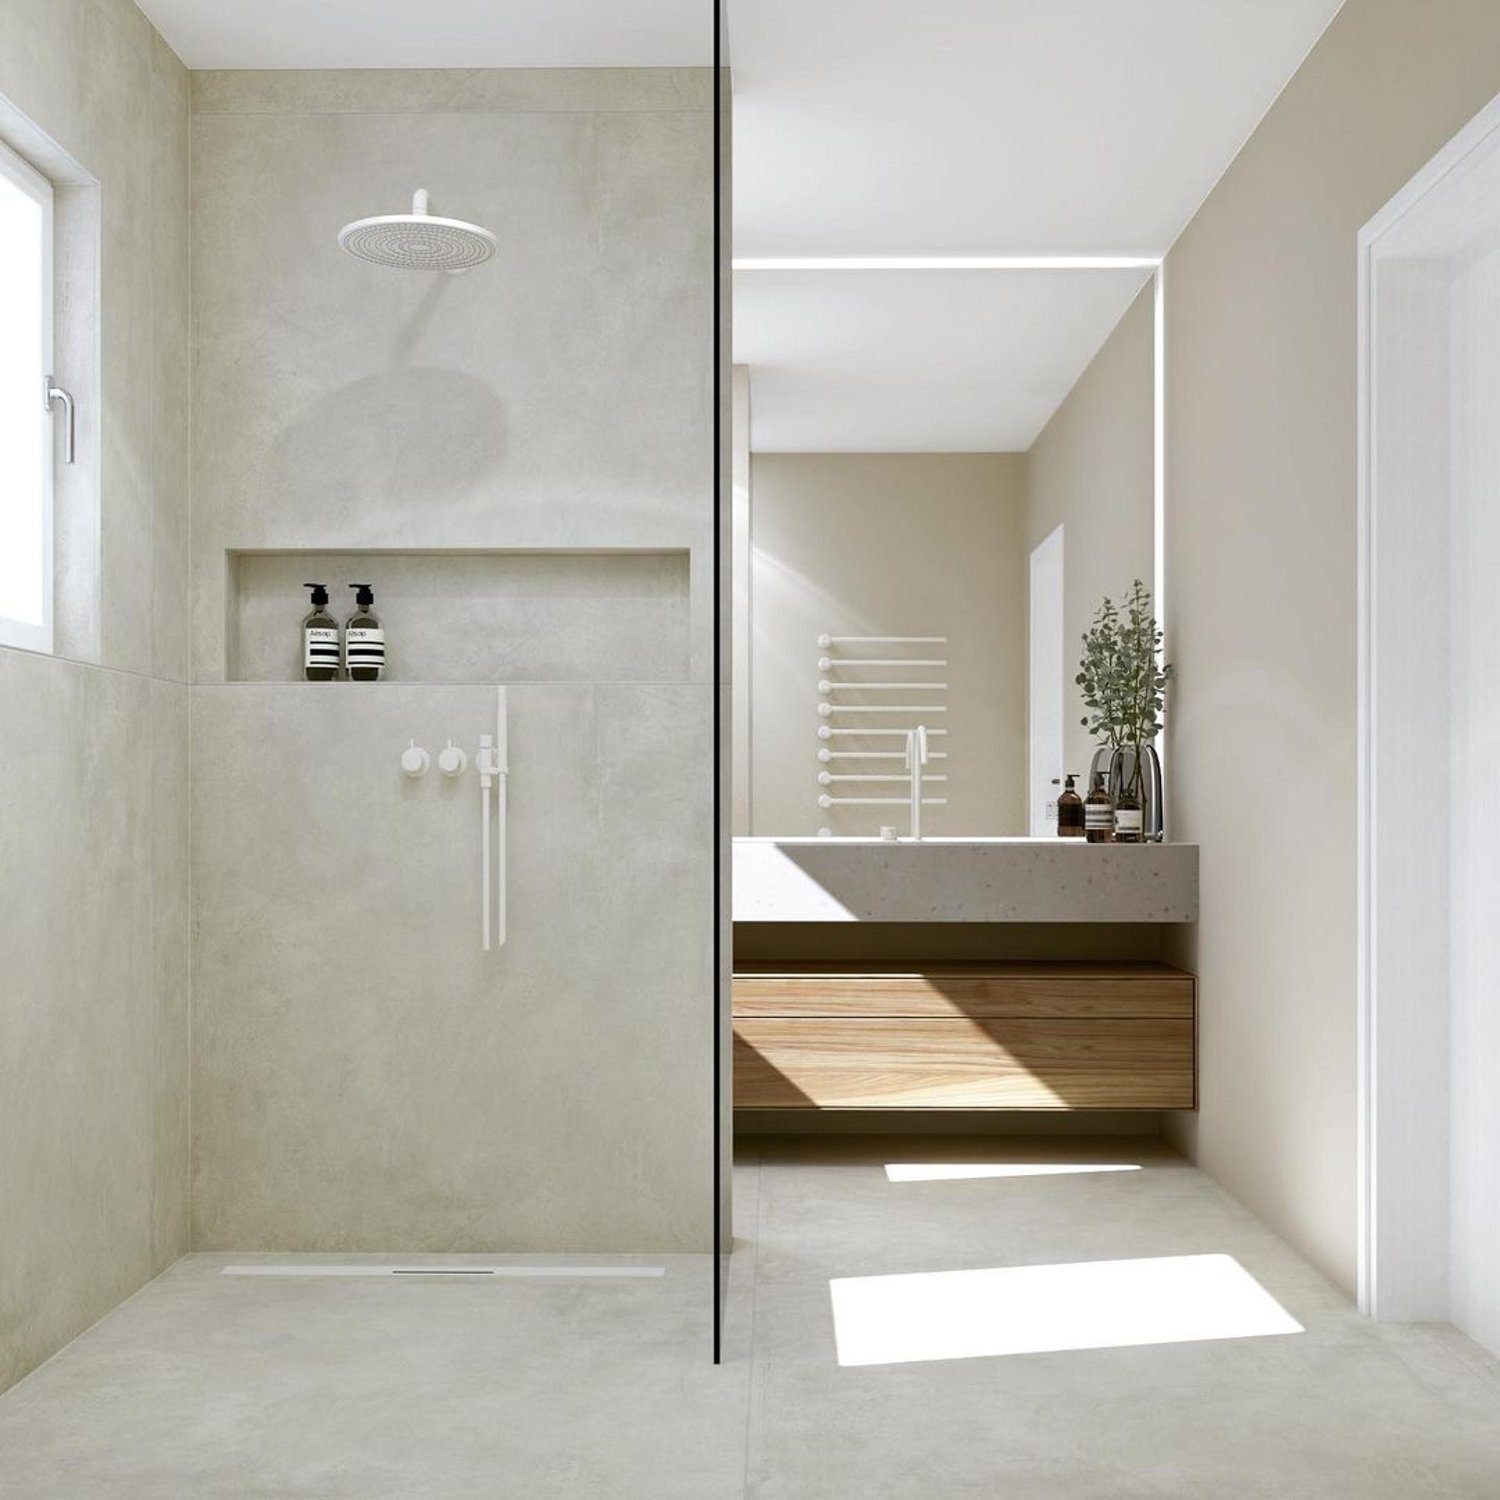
pixel 418 241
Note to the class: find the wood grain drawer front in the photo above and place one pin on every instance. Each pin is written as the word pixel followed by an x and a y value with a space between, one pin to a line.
pixel 918 1063
pixel 1046 991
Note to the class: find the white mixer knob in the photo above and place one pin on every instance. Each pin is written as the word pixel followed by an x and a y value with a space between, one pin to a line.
pixel 415 760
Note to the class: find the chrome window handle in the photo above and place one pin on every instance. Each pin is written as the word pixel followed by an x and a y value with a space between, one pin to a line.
pixel 51 394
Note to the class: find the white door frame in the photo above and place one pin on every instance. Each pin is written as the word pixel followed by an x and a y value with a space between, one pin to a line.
pixel 1403 1098
pixel 1045 678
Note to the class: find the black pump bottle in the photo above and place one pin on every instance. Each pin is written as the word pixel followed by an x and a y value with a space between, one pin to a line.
pixel 364 640
pixel 320 638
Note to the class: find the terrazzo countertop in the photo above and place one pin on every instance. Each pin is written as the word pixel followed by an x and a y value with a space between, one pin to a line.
pixel 963 880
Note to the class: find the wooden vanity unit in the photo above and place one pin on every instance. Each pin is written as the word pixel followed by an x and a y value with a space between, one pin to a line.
pixel 1040 1035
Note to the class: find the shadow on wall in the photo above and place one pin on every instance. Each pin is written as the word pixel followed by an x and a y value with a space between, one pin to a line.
pixel 412 432
pixel 421 432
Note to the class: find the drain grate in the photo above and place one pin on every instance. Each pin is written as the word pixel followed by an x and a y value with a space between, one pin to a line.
pixel 326 1268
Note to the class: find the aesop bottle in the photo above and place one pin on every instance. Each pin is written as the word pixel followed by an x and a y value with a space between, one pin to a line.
pixel 364 640
pixel 320 638
pixel 1129 817
pixel 1099 813
pixel 1069 810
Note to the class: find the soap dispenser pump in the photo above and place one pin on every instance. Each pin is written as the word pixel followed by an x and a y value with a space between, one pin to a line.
pixel 364 640
pixel 320 638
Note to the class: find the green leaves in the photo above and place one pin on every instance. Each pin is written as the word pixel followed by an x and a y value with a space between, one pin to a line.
pixel 1121 676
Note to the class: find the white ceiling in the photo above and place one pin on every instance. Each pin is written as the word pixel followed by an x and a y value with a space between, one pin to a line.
pixel 911 361
pixel 982 128
pixel 869 127
pixel 436 33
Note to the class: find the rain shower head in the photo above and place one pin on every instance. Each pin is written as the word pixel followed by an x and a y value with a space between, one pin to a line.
pixel 418 241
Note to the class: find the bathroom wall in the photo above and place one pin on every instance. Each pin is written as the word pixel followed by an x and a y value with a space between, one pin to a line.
pixel 1261 564
pixel 93 804
pixel 365 1078
pixel 890 544
pixel 1092 471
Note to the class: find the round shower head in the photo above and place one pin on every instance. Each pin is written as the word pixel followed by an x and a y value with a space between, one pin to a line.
pixel 418 241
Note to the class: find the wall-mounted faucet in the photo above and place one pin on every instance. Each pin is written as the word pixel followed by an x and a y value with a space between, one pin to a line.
pixel 492 762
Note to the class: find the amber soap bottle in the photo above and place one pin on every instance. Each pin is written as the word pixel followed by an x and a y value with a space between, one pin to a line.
pixel 1069 809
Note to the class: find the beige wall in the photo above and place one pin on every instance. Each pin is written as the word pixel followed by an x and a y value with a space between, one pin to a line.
pixel 1261 568
pixel 1092 472
pixel 93 805
pixel 366 1078
pixel 889 544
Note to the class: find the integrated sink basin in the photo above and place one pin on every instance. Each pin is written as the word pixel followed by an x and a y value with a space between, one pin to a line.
pixel 962 880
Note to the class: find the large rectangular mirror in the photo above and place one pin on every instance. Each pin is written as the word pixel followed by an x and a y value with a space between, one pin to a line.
pixel 941 473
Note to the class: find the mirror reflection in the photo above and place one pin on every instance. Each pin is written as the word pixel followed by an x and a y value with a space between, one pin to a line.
pixel 940 476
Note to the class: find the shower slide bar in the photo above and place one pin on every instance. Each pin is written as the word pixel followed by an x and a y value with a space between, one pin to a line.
pixel 882 640
pixel 825 687
pixel 826 801
pixel 493 763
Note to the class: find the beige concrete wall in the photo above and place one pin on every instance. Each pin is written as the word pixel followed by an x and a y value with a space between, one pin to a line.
pixel 889 544
pixel 93 805
pixel 1261 568
pixel 1092 472
pixel 366 1078
pixel 559 397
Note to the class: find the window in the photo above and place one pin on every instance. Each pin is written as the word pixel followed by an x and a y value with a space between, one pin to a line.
pixel 25 421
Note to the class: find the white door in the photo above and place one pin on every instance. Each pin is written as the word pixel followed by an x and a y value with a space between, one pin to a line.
pixel 1430 721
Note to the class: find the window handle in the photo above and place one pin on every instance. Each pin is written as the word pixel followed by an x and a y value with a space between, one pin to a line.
pixel 51 394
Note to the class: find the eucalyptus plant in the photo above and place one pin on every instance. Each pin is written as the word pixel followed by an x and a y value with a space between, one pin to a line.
pixel 1123 678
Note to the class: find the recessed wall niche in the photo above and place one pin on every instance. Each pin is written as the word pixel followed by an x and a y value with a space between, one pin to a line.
pixel 472 616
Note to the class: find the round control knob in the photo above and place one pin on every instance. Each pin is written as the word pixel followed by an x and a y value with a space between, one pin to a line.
pixel 415 760
pixel 452 761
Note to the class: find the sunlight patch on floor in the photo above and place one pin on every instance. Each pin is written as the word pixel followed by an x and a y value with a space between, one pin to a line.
pixel 959 1171
pixel 1108 1304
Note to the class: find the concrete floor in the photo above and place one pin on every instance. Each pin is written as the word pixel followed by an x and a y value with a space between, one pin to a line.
pixel 205 1386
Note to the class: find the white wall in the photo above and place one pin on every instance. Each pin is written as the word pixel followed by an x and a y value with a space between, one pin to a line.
pixel 1261 535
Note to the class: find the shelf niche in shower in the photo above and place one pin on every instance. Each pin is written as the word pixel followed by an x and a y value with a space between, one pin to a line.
pixel 472 616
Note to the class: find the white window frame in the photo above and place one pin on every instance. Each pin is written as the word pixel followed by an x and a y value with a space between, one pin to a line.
pixel 25 633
